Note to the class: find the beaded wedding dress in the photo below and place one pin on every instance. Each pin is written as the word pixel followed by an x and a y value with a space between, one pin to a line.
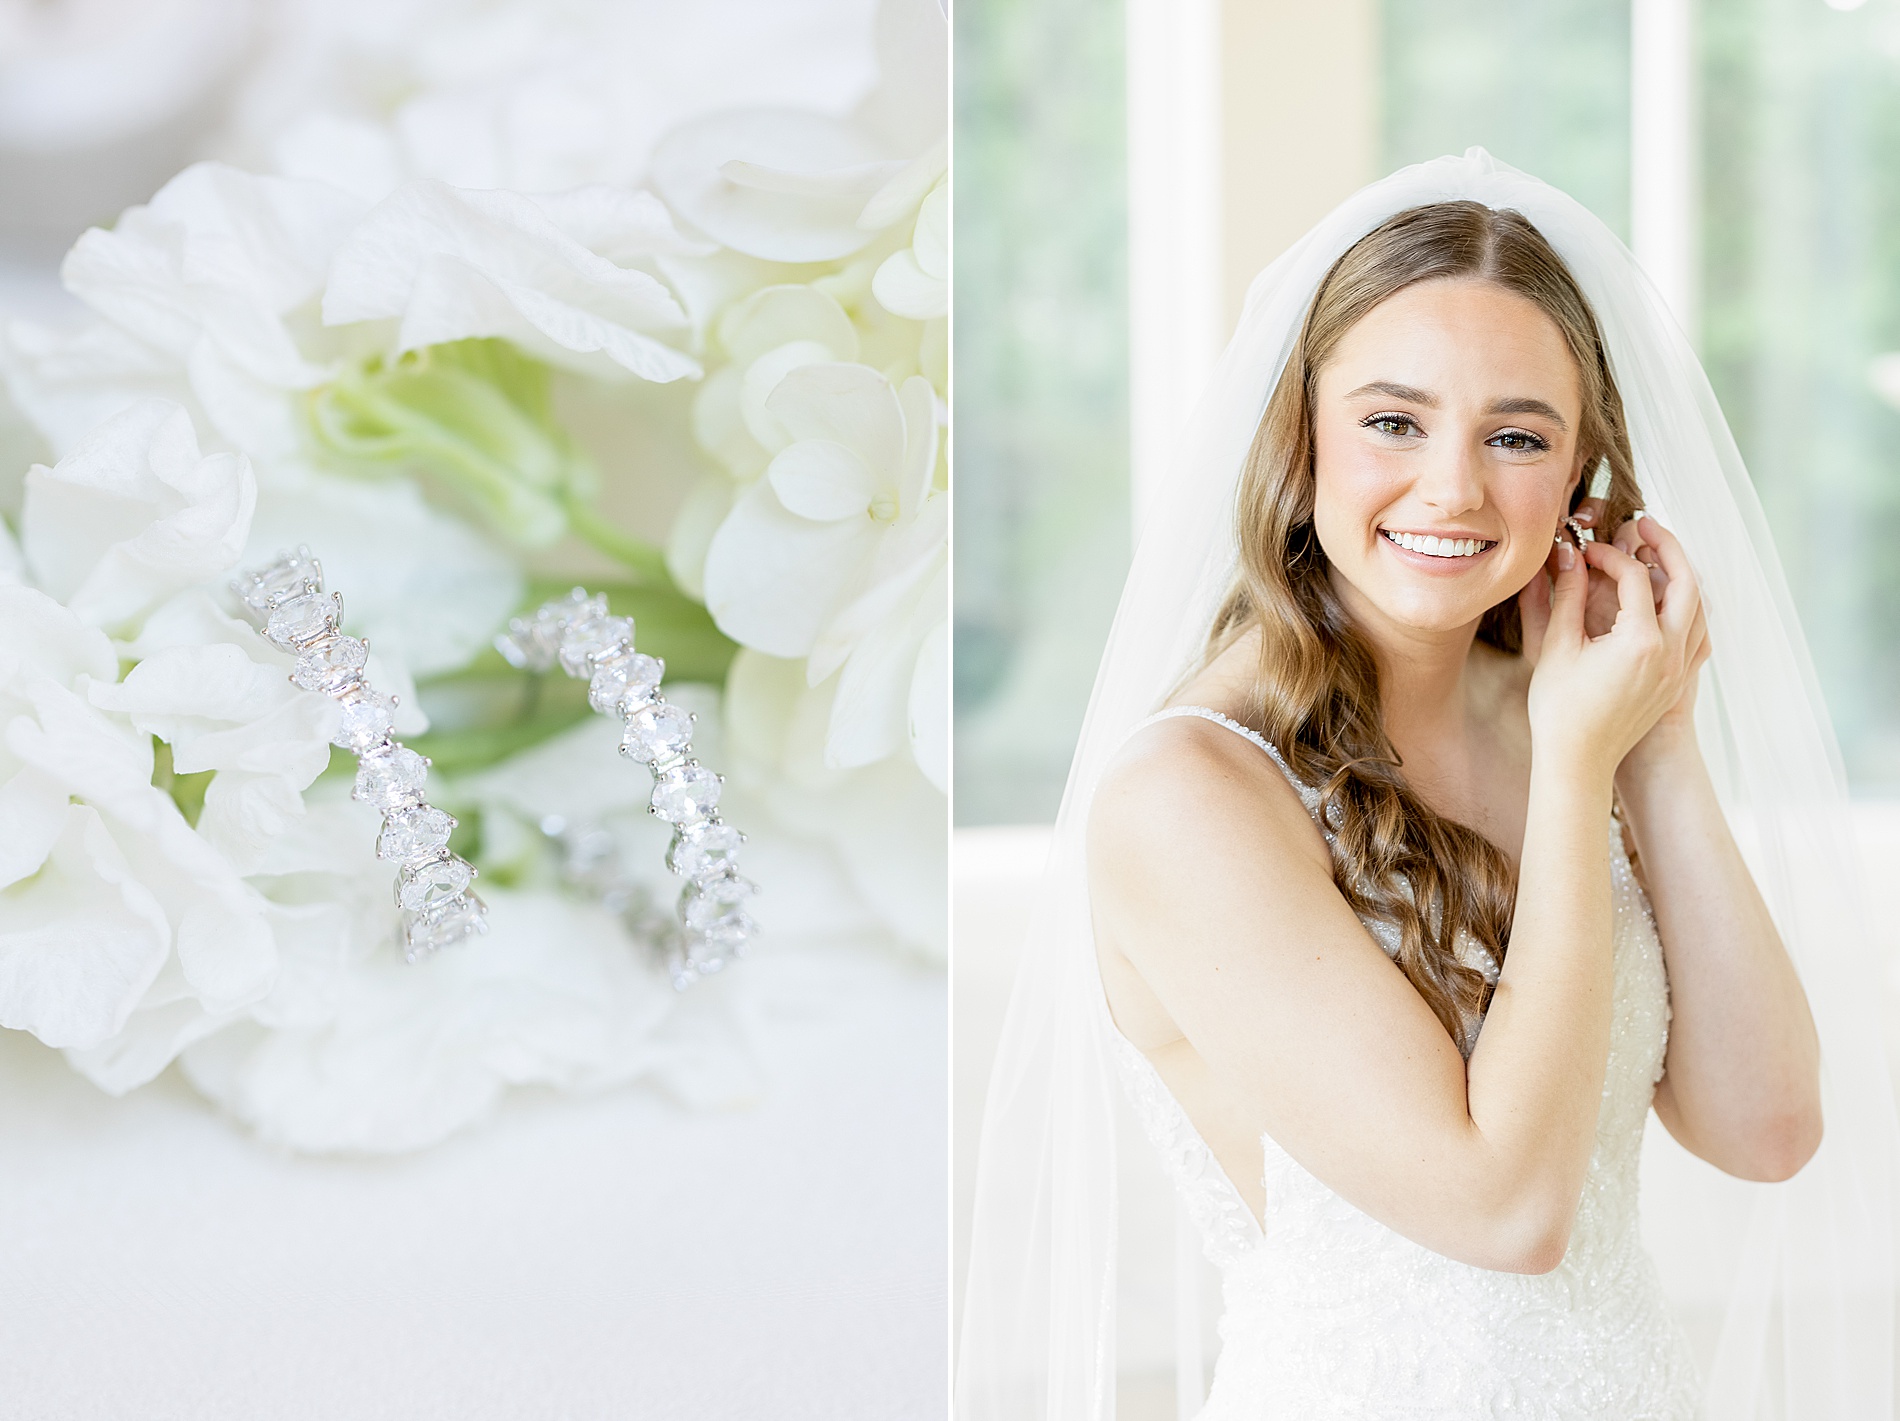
pixel 1330 1314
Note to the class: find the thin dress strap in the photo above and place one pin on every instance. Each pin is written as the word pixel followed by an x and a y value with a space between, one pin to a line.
pixel 1308 795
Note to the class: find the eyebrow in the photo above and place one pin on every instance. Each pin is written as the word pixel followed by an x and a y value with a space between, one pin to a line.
pixel 1521 404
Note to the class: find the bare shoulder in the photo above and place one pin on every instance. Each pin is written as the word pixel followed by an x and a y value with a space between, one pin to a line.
pixel 1185 795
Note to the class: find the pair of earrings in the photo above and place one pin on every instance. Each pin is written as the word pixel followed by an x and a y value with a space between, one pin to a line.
pixel 286 602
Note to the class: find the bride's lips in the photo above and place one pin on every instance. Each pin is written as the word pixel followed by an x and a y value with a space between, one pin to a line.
pixel 1433 562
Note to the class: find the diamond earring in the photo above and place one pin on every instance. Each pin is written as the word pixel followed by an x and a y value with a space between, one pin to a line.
pixel 285 602
pixel 590 644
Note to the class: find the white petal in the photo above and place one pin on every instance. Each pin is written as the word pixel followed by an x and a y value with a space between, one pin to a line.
pixel 871 717
pixel 617 224
pixel 920 445
pixel 453 263
pixel 772 577
pixel 694 526
pixel 221 711
pixel 33 808
pixel 930 707
pixel 426 588
pixel 71 379
pixel 36 631
pixel 219 255
pixel 904 289
pixel 783 184
pixel 931 241
pixel 80 942
pixel 778 315
pixel 762 377
pixel 852 405
pixel 134 514
pixel 822 480
pixel 907 556
pixel 906 188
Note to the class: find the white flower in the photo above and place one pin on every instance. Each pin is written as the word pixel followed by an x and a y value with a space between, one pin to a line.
pixel 221 698
pixel 128 932
pixel 544 272
pixel 839 553
pixel 764 337
pixel 202 291
pixel 916 281
pixel 208 294
pixel 791 185
pixel 884 822
pixel 124 935
pixel 133 515
pixel 210 272
pixel 79 944
pixel 781 184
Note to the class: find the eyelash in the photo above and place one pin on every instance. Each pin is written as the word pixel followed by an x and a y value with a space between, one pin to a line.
pixel 1533 443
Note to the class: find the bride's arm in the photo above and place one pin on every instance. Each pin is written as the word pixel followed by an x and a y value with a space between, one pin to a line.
pixel 1740 1082
pixel 1208 877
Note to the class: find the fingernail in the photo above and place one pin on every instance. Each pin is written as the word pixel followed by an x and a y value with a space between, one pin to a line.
pixel 1566 557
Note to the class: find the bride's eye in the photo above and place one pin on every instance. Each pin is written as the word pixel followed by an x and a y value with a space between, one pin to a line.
pixel 1400 426
pixel 1520 441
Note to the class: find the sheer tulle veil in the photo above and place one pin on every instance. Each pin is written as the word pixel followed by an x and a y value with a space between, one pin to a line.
pixel 1808 1325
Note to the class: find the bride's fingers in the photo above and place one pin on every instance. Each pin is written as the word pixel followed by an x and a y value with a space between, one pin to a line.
pixel 1633 594
pixel 1570 587
pixel 1629 537
pixel 1682 597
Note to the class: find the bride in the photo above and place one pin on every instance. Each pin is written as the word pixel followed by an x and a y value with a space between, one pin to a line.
pixel 1408 892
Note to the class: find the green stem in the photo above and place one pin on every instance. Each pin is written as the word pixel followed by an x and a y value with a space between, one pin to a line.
pixel 646 562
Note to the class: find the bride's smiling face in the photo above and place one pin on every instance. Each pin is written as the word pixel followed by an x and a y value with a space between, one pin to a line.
pixel 1448 413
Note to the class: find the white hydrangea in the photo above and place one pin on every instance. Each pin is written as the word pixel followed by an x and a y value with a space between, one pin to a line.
pixel 838 554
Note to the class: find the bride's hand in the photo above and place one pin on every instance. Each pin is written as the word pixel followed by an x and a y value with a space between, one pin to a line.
pixel 1593 698
pixel 1599 609
pixel 1644 539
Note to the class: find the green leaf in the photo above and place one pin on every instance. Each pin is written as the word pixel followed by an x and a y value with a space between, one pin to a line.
pixel 186 791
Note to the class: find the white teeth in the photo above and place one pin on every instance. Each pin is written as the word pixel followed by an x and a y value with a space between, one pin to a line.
pixel 1433 546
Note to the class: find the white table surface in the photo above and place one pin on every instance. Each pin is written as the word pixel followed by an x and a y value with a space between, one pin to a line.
pixel 571 1259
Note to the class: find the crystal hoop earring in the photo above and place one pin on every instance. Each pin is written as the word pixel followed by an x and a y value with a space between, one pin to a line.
pixel 590 644
pixel 285 602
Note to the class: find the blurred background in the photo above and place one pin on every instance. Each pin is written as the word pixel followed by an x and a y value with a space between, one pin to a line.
pixel 1125 168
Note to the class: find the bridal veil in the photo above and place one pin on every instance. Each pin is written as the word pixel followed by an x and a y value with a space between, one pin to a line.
pixel 1807 1325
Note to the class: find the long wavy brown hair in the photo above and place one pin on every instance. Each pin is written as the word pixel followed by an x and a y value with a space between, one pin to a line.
pixel 1316 695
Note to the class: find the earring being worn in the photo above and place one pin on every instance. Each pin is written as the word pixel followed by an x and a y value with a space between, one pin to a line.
pixel 285 602
pixel 578 632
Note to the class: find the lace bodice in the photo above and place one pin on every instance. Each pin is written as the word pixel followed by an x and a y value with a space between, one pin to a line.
pixel 1330 1314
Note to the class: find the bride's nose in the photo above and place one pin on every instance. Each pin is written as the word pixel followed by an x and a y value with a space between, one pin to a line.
pixel 1450 480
